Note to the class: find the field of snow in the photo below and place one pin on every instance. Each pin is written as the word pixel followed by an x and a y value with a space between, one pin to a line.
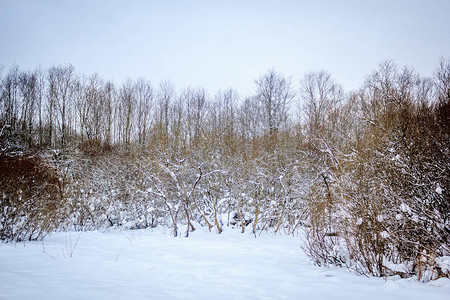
pixel 150 264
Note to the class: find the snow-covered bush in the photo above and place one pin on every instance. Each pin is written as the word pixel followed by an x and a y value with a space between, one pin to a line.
pixel 386 211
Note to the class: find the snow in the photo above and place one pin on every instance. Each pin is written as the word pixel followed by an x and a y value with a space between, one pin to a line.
pixel 401 268
pixel 150 264
pixel 384 234
pixel 405 208
pixel 444 263
pixel 438 189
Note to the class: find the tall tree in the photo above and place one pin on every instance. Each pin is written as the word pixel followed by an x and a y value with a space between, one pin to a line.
pixel 60 80
pixel 320 96
pixel 127 104
pixel 196 100
pixel 10 98
pixel 274 93
pixel 144 97
pixel 224 111
pixel 165 96
pixel 40 103
pixel 28 88
pixel 110 97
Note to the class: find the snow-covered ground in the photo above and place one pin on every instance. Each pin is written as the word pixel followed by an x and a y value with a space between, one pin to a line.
pixel 150 264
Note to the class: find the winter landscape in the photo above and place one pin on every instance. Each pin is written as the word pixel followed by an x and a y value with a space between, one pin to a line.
pixel 150 264
pixel 165 150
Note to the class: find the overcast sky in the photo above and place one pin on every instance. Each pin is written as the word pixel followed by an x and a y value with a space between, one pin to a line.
pixel 223 44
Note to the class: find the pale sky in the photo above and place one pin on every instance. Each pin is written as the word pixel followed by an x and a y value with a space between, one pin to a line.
pixel 223 44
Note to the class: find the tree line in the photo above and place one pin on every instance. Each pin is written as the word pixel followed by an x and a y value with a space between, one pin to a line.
pixel 365 173
pixel 56 108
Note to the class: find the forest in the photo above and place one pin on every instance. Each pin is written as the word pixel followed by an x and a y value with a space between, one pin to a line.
pixel 365 174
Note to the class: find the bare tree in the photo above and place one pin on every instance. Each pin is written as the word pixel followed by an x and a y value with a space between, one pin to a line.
pixel 60 80
pixel 40 102
pixel 320 96
pixel 178 125
pixel 28 89
pixel 10 98
pixel 249 123
pixel 127 104
pixel 87 91
pixel 442 80
pixel 144 97
pixel 94 103
pixel 110 97
pixel 225 114
pixel 196 101
pixel 165 97
pixel 274 93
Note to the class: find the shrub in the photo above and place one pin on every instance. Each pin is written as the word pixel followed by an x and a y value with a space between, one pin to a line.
pixel 30 203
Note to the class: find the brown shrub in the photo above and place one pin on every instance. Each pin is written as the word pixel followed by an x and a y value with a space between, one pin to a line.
pixel 30 198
